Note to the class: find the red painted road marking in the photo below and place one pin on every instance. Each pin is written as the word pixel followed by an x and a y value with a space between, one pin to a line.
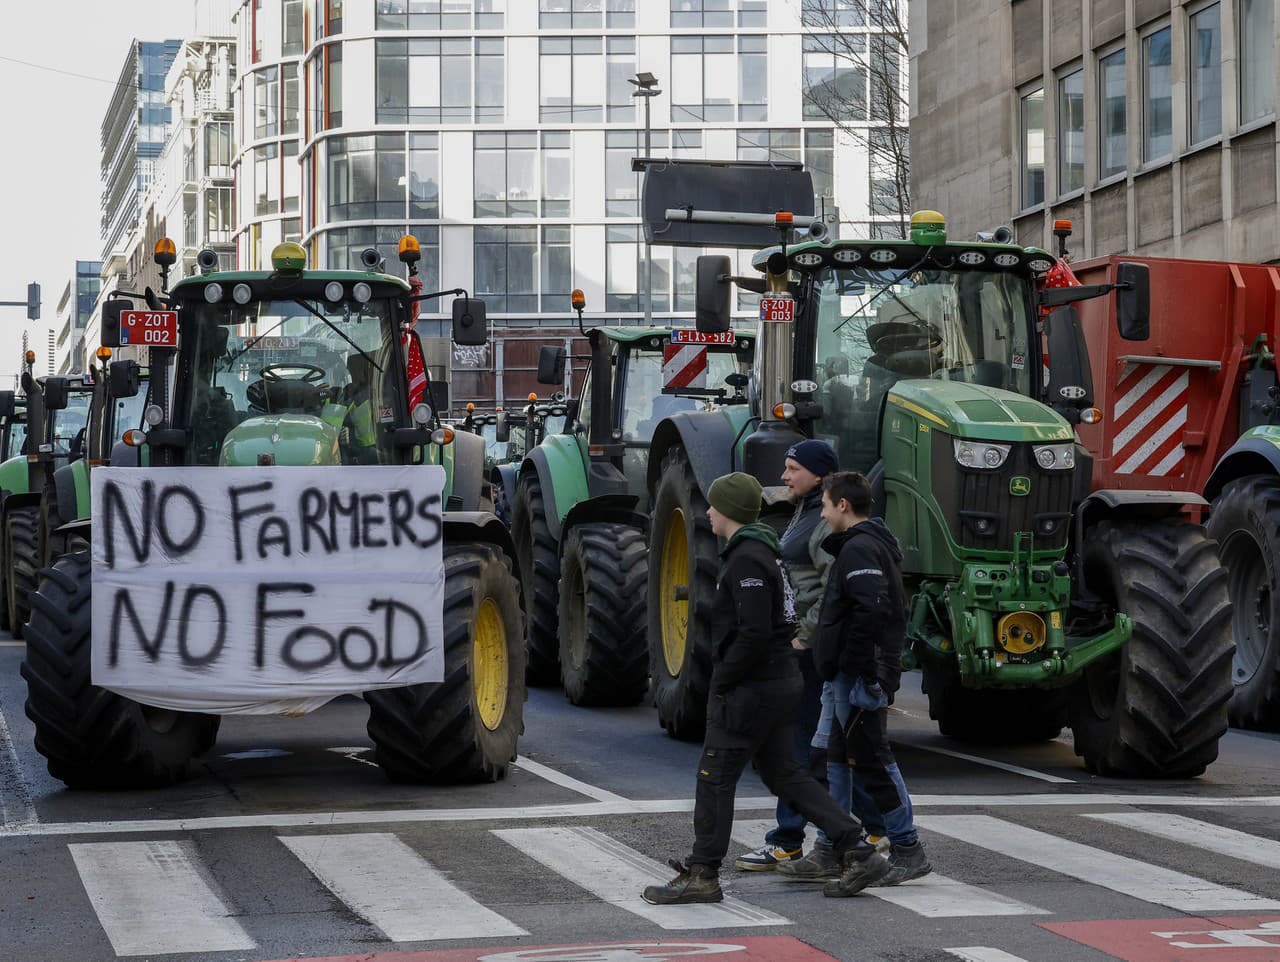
pixel 1238 938
pixel 768 949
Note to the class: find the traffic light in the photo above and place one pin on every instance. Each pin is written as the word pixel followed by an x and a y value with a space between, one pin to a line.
pixel 33 302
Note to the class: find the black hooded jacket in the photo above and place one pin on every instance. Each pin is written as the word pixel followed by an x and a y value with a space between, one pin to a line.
pixel 864 609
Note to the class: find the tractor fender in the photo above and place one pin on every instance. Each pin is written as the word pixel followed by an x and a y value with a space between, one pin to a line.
pixel 557 464
pixel 482 526
pixel 503 479
pixel 612 508
pixel 71 488
pixel 15 475
pixel 468 475
pixel 1256 452
pixel 708 439
pixel 1146 505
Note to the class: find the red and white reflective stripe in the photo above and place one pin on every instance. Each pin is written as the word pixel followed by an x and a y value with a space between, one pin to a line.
pixel 684 365
pixel 1149 415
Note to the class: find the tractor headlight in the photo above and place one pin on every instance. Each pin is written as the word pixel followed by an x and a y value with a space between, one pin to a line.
pixel 213 292
pixel 1056 457
pixel 980 454
pixel 333 291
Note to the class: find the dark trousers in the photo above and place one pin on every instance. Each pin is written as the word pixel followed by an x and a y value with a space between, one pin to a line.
pixel 770 744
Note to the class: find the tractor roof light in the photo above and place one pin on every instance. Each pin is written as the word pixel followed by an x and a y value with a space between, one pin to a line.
pixel 578 300
pixel 928 228
pixel 103 353
pixel 153 414
pixel 470 407
pixel 1062 228
pixel 784 218
pixel 532 397
pixel 213 292
pixel 166 252
pixel 289 257
pixel 31 357
pixel 421 414
pixel 410 252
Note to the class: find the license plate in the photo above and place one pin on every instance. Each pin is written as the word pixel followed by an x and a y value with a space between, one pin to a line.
pixel 698 337
pixel 149 328
pixel 777 309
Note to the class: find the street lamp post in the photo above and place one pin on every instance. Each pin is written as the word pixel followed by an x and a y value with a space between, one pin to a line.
pixel 646 85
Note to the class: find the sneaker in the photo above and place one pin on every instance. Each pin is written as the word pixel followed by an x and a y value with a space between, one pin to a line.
pixel 766 858
pixel 697 883
pixel 820 865
pixel 863 866
pixel 905 863
pixel 881 842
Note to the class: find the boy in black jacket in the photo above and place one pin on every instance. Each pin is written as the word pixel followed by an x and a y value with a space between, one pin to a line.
pixel 755 686
pixel 858 647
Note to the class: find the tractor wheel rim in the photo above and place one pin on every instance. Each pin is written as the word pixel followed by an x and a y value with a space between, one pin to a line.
pixel 1250 589
pixel 489 664
pixel 675 614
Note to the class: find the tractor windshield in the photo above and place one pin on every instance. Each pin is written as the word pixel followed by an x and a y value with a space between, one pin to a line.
pixel 70 425
pixel 331 362
pixel 876 327
pixel 644 405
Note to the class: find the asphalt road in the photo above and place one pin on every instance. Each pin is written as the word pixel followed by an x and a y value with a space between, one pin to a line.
pixel 288 843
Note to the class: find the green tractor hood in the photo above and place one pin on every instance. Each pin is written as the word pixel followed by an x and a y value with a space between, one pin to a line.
pixel 297 440
pixel 978 412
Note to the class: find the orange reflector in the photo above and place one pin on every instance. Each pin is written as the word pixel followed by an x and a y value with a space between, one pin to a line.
pixel 578 300
pixel 1091 416
pixel 784 411
pixel 33 457
pixel 1062 225
pixel 134 438
pixel 595 449
pixel 784 217
pixel 104 352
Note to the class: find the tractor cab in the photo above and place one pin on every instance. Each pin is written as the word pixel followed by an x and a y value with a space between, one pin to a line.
pixel 13 424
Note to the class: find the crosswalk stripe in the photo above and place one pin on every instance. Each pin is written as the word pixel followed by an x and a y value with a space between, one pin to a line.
pixel 1203 835
pixel 983 953
pixel 386 882
pixel 1150 883
pixel 938 897
pixel 152 898
pixel 751 831
pixel 617 874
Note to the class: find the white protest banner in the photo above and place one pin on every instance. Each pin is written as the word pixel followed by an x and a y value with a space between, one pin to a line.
pixel 266 590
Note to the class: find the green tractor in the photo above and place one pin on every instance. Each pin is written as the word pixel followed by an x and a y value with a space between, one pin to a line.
pixel 13 424
pixel 517 435
pixel 291 367
pixel 579 509
pixel 1036 602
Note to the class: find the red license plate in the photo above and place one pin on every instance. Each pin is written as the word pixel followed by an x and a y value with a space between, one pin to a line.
pixel 777 309
pixel 149 328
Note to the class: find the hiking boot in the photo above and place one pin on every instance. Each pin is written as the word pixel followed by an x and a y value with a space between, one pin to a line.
pixel 881 842
pixel 697 883
pixel 820 865
pixel 766 858
pixel 905 863
pixel 863 865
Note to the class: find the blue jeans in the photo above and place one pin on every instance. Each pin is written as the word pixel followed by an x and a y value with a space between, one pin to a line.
pixel 842 781
pixel 789 834
pixel 867 739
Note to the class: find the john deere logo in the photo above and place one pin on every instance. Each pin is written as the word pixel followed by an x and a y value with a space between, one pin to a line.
pixel 1020 486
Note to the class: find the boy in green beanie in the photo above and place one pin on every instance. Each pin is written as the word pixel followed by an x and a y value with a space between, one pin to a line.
pixel 755 686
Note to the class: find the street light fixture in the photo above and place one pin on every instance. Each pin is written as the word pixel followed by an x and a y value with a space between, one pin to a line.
pixel 646 85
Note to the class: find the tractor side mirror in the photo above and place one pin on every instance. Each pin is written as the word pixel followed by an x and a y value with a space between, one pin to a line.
pixel 1070 379
pixel 501 429
pixel 714 289
pixel 124 379
pixel 55 393
pixel 440 397
pixel 1133 301
pixel 111 311
pixel 470 327
pixel 551 364
pixel 7 404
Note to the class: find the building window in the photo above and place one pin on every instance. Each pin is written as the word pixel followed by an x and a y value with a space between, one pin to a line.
pixel 429 81
pixel 1204 45
pixel 343 247
pixel 266 98
pixel 621 183
pixel 1257 60
pixel 620 66
pixel 1113 148
pixel 1031 122
pixel 833 13
pixel 570 14
pixel 333 85
pixel 290 111
pixel 505 178
pixel 1157 96
pixel 769 145
pixel 703 79
pixel 753 79
pixel 424 176
pixel 506 273
pixel 753 13
pixel 1071 132
pixel 557 174
pixel 219 218
pixel 291 230
pixel 266 180
pixel 557 268
pixel 292 175
pixel 701 13
pixel 490 81
pixel 622 268
pixel 333 17
pixel 420 15
pixel 367 177
pixel 835 81
pixel 217 148
pixel 572 79
pixel 819 158
pixel 620 14
pixel 291 39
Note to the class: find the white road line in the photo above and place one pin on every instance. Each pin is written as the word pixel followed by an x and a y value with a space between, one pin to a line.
pixel 989 762
pixel 656 806
pixel 751 831
pixel 16 808
pixel 566 781
pixel 617 874
pixel 1205 836
pixel 982 953
pixel 13 644
pixel 1128 876
pixel 382 879
pixel 153 898
pixel 938 897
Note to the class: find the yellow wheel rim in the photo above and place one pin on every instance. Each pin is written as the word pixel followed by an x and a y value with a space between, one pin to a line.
pixel 675 614
pixel 489 668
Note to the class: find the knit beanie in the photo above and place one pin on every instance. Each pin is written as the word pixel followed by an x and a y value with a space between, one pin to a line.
pixel 816 456
pixel 736 496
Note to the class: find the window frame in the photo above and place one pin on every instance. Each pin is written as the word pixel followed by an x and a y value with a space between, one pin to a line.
pixel 1147 160
pixel 1061 78
pixel 1192 12
pixel 1101 56
pixel 1268 75
pixel 1025 92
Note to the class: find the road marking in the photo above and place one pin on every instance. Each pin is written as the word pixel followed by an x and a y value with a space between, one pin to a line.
pixel 938 897
pixel 751 831
pixel 1128 876
pixel 253 753
pixel 658 806
pixel 382 879
pixel 354 754
pixel 1203 835
pixel 982 953
pixel 616 874
pixel 566 781
pixel 989 762
pixel 16 808
pixel 13 644
pixel 153 898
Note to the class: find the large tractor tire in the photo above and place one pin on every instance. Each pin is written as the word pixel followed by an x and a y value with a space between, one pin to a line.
pixel 536 553
pixel 1246 525
pixel 91 737
pixel 604 659
pixel 465 728
pixel 1157 707
pixel 683 563
pixel 991 716
pixel 21 561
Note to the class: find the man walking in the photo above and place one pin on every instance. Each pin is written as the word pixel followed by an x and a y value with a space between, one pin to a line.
pixel 858 647
pixel 755 686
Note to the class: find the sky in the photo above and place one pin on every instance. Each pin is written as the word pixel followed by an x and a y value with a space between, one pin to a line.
pixel 49 160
